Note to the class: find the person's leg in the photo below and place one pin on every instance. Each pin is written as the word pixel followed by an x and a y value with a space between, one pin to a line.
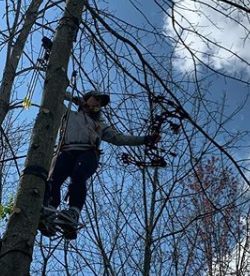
pixel 62 166
pixel 60 169
pixel 85 166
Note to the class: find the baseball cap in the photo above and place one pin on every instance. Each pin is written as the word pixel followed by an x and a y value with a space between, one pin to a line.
pixel 104 98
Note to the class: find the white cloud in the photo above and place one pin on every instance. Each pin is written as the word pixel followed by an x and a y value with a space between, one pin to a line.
pixel 216 34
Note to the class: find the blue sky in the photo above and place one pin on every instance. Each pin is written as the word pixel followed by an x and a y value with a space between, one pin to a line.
pixel 216 27
pixel 126 10
pixel 236 92
pixel 227 29
pixel 229 35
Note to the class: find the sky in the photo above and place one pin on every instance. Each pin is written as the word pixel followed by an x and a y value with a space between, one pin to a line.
pixel 215 26
pixel 226 28
pixel 228 35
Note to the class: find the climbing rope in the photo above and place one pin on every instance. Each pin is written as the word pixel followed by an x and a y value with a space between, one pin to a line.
pixel 65 117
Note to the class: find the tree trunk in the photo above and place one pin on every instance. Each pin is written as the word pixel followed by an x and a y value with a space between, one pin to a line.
pixel 12 60
pixel 18 241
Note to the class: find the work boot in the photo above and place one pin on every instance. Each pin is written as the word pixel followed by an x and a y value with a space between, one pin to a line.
pixel 47 225
pixel 68 221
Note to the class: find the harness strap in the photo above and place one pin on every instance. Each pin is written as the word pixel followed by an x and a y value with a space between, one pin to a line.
pixel 36 170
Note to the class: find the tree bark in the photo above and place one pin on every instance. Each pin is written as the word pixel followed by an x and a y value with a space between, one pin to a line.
pixel 18 241
pixel 12 60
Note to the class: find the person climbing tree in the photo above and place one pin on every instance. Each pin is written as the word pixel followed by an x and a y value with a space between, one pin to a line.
pixel 77 158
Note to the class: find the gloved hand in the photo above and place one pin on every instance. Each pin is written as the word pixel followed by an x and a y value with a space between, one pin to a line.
pixel 152 139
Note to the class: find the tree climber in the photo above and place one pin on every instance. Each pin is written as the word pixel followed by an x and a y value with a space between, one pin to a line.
pixel 78 158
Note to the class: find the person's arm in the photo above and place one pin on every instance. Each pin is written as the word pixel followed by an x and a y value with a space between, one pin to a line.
pixel 111 135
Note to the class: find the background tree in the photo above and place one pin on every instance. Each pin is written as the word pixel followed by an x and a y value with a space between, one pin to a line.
pixel 16 35
pixel 216 206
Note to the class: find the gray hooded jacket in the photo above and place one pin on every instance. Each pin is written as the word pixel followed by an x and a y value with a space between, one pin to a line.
pixel 83 132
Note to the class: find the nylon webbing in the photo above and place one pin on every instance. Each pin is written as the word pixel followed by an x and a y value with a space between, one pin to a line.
pixel 37 171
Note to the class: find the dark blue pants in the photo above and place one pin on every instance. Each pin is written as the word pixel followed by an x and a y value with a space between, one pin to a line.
pixel 79 166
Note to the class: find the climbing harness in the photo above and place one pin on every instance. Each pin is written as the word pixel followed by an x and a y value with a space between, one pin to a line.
pixel 40 65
